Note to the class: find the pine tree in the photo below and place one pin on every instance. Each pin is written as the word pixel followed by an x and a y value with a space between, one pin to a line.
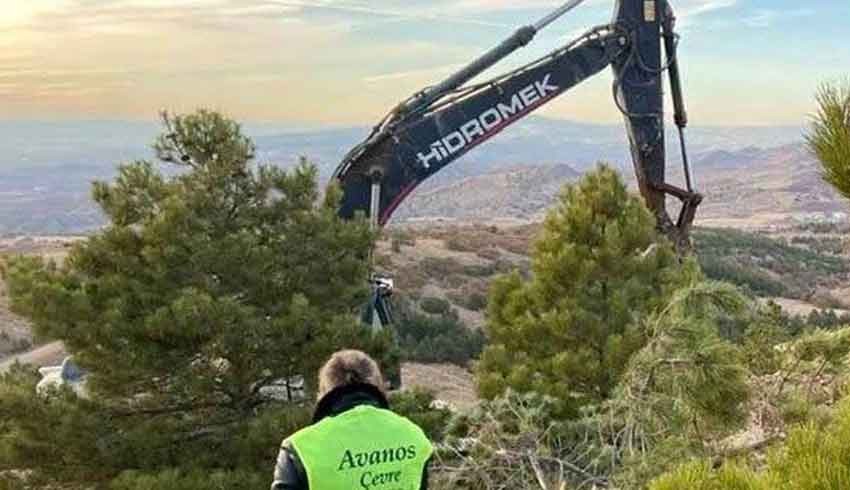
pixel 598 268
pixel 212 280
pixel 829 136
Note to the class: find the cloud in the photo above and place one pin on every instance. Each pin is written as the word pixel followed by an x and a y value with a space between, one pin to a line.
pixel 103 15
pixel 701 7
pixel 418 73
pixel 317 60
pixel 683 8
pixel 763 18
pixel 435 12
pixel 489 5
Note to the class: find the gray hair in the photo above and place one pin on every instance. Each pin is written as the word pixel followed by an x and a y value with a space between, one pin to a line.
pixel 348 367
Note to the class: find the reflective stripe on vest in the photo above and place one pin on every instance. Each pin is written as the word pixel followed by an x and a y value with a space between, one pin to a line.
pixel 365 448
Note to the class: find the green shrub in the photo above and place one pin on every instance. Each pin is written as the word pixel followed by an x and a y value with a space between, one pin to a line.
pixel 479 270
pixel 438 268
pixel 435 306
pixel 766 266
pixel 175 479
pixel 754 279
pixel 459 243
pixel 436 337
pixel 813 458
pixel 471 300
pixel 488 270
pixel 570 329
pixel 444 340
pixel 417 405
pixel 827 319
pixel 759 348
pixel 827 245
pixel 700 476
pixel 796 409
pixel 476 301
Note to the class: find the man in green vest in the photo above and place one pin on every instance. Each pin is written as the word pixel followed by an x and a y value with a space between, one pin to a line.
pixel 355 441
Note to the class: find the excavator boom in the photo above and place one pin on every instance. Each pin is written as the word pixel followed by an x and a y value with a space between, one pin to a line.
pixel 438 125
pixel 419 145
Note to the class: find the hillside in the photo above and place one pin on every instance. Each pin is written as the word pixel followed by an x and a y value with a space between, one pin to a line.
pixel 800 269
pixel 457 262
pixel 760 188
pixel 750 188
pixel 38 198
pixel 444 270
pixel 520 193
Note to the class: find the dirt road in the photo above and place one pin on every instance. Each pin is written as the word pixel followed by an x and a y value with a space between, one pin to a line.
pixel 46 355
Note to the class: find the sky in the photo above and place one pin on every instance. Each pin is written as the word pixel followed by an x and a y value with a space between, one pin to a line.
pixel 346 62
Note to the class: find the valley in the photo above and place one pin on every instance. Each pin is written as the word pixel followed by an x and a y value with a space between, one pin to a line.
pixel 479 217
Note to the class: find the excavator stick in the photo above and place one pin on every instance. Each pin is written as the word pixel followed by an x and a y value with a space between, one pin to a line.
pixel 638 94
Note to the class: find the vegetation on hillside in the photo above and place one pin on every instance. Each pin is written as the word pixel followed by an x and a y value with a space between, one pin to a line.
pixel 764 265
pixel 713 375
pixel 605 362
pixel 815 454
pixel 436 333
pixel 679 394
pixel 805 266
pixel 203 304
pixel 688 395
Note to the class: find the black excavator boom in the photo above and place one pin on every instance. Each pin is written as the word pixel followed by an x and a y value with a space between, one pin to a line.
pixel 439 124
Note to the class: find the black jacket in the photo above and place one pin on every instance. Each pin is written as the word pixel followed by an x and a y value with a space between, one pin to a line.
pixel 289 473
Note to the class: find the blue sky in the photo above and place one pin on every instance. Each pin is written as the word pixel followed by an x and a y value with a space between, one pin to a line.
pixel 340 62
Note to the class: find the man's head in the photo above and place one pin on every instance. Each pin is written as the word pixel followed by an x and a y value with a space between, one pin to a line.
pixel 348 367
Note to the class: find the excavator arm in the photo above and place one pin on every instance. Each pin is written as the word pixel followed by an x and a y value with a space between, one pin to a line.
pixel 638 93
pixel 439 124
pixel 417 144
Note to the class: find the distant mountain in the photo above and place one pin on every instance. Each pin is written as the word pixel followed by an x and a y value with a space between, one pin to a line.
pixel 729 158
pixel 46 168
pixel 518 193
pixel 535 140
pixel 768 186
pixel 749 187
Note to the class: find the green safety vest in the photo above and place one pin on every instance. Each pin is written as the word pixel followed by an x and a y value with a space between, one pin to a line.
pixel 365 448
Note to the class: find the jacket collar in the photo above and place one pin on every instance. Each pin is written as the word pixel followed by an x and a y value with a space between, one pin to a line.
pixel 346 397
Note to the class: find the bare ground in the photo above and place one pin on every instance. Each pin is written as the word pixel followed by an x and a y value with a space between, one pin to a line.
pixel 450 383
pixel 50 354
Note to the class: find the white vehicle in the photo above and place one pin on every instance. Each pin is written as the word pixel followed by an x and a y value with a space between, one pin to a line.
pixel 68 374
